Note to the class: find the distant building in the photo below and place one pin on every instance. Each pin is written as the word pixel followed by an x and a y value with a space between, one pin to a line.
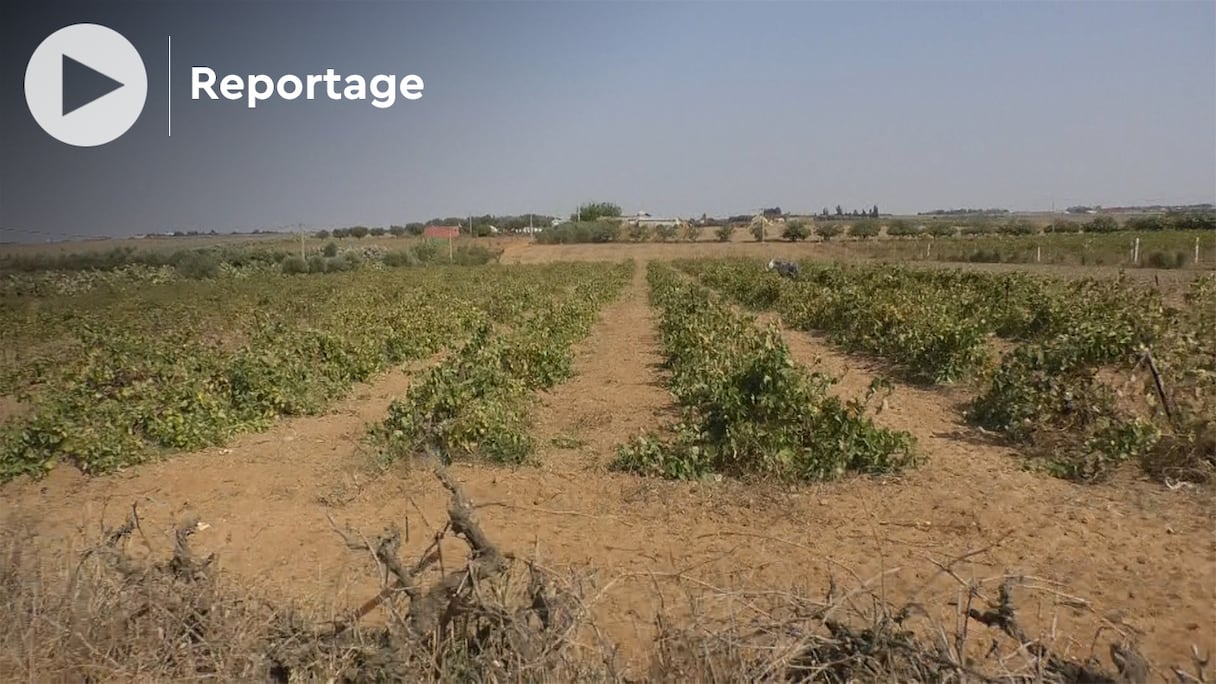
pixel 643 218
pixel 443 232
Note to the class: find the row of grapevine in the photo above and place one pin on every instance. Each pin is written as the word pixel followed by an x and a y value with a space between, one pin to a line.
pixel 747 408
pixel 128 383
pixel 476 404
pixel 1047 394
pixel 872 311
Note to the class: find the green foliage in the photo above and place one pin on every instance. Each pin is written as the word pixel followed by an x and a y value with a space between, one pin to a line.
pixel 666 232
pixel 198 265
pixel 639 232
pixel 746 408
pixel 692 231
pixel 902 228
pixel 940 229
pixel 796 230
pixel 577 233
pixel 758 230
pixel 1160 259
pixel 1018 227
pixel 885 311
pixel 1063 226
pixel 978 227
pixel 295 265
pixel 1102 224
pixel 865 228
pixel 330 249
pixel 1146 223
pixel 827 231
pixel 724 232
pixel 185 366
pixel 476 404
pixel 594 211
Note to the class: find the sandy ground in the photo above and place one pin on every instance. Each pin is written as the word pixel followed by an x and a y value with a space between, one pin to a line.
pixel 1128 555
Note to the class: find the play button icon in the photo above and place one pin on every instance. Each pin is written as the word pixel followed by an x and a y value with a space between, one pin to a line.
pixel 86 85
pixel 82 85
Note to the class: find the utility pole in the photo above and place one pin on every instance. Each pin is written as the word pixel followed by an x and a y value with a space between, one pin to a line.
pixel 300 230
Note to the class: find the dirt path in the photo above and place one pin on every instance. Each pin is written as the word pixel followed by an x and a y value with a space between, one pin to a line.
pixel 1130 546
pixel 263 496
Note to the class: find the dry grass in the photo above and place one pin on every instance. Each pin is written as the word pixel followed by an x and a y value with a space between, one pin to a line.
pixel 112 615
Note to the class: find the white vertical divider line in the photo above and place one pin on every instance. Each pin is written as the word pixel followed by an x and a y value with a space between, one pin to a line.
pixel 170 80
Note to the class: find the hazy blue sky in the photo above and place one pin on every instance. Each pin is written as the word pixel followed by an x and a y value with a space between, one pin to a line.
pixel 676 108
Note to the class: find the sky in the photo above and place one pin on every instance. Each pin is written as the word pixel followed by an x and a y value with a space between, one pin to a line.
pixel 676 108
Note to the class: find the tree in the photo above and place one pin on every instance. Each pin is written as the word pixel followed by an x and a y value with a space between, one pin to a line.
pixel 874 211
pixel 322 235
pixel 1102 224
pixel 396 231
pixel 377 232
pixel 692 230
pixel 724 232
pixel 594 211
pixel 758 226
pixel 359 231
pixel 666 231
pixel 839 211
pixel 865 228
pixel 829 230
pixel 795 231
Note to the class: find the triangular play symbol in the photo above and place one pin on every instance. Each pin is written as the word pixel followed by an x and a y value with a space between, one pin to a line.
pixel 83 84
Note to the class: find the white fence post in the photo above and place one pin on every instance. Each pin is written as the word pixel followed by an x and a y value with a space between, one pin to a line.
pixel 1136 252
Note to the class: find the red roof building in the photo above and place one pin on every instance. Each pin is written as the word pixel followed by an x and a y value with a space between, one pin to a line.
pixel 444 232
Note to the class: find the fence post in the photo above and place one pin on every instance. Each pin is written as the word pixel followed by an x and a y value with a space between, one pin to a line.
pixel 1196 250
pixel 1136 252
pixel 1038 253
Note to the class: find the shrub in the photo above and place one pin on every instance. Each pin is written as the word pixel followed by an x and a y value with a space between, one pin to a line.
pixel 1102 224
pixel 1158 259
pixel 1018 227
pixel 399 258
pixel 985 256
pixel 942 230
pixel 316 264
pixel 666 232
pixel 759 230
pixel 1146 223
pixel 294 265
pixel 828 231
pixel 692 231
pixel 978 227
pixel 198 265
pixel 1063 226
pixel 1191 220
pixel 724 232
pixel 639 232
pixel 866 228
pixel 331 249
pixel 359 231
pixel 796 230
pixel 377 232
pixel 901 228
pixel 428 251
